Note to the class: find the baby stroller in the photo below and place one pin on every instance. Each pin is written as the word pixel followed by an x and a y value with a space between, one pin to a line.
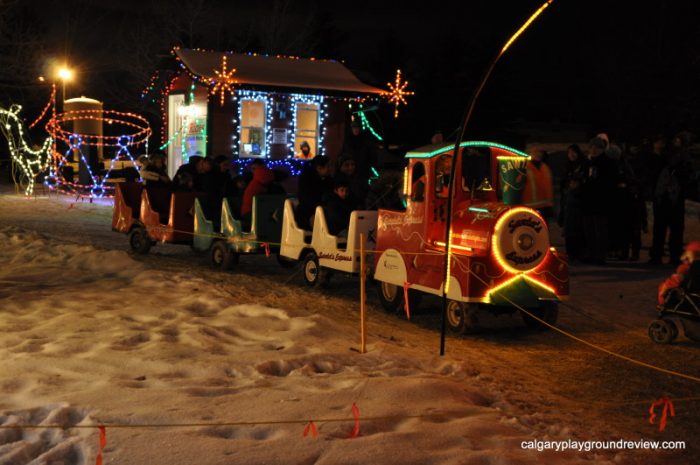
pixel 681 304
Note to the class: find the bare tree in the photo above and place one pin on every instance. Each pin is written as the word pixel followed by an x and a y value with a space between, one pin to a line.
pixel 21 45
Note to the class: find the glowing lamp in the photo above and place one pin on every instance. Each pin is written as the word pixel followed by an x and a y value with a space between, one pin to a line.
pixel 65 74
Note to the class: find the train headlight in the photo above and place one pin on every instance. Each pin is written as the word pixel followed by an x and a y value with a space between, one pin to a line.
pixel 520 240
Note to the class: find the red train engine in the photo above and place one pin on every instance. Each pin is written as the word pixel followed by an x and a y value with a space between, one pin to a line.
pixel 501 257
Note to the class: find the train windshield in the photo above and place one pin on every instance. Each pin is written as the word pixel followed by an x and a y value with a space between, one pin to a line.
pixel 476 169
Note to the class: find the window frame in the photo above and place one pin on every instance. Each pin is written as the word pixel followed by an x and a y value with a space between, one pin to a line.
pixel 299 133
pixel 264 149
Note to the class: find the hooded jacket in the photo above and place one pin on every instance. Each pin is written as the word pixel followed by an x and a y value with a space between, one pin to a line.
pixel 262 178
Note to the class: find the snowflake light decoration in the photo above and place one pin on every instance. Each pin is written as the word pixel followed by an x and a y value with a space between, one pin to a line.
pixel 225 81
pixel 397 92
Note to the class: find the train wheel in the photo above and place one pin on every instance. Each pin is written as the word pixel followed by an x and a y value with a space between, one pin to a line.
pixel 314 274
pixel 461 317
pixel 391 297
pixel 456 317
pixel 139 240
pixel 548 312
pixel 221 256
pixel 663 331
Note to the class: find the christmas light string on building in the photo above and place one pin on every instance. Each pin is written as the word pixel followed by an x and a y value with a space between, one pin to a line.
pixel 208 81
pixel 293 165
pixel 169 141
pixel 397 93
pixel 366 126
pixel 31 161
pixel 266 98
pixel 184 127
pixel 319 101
pixel 165 93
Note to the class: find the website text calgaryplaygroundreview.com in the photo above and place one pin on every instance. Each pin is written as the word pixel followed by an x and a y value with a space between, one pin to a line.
pixel 587 446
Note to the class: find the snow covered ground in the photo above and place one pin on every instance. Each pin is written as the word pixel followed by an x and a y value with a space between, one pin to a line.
pixel 91 335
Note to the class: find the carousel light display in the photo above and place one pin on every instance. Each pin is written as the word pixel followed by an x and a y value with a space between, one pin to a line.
pixel 397 93
pixel 50 104
pixel 31 161
pixel 224 81
pixel 133 129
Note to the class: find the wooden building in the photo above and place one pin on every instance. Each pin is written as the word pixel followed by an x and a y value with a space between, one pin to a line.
pixel 265 108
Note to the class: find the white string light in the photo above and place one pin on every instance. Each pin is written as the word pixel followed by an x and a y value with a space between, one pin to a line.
pixel 30 161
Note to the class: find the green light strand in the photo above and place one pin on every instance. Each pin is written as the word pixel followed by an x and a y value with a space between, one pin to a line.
pixel 164 146
pixel 476 143
pixel 366 125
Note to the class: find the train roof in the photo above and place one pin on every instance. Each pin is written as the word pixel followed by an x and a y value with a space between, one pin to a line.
pixel 433 150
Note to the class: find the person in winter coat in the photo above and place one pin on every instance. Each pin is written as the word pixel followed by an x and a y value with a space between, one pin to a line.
pixel 358 187
pixel 570 212
pixel 154 172
pixel 192 168
pixel 314 183
pixel 632 169
pixel 337 208
pixel 539 192
pixel 669 204
pixel 304 151
pixel 262 179
pixel 360 148
pixel 597 188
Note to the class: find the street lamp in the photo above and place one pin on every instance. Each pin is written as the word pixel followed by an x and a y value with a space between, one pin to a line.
pixel 65 74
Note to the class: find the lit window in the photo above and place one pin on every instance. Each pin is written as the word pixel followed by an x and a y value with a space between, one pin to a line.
pixel 306 129
pixel 252 128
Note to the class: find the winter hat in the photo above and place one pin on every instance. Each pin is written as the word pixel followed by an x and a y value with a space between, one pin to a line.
pixel 598 142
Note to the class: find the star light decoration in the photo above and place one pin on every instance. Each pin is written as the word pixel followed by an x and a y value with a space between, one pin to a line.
pixel 225 81
pixel 397 92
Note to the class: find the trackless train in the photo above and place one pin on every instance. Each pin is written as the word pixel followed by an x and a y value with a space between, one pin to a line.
pixel 500 253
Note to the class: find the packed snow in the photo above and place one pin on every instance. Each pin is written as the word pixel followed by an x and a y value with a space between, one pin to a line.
pixel 185 365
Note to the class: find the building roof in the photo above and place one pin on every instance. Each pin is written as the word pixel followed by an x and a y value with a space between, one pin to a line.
pixel 269 71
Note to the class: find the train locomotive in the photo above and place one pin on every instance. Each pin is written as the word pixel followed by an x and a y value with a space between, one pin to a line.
pixel 501 258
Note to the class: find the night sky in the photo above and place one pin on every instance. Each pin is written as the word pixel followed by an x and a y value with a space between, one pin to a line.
pixel 627 68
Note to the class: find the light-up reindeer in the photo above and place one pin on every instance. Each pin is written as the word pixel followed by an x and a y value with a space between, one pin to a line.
pixel 30 161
